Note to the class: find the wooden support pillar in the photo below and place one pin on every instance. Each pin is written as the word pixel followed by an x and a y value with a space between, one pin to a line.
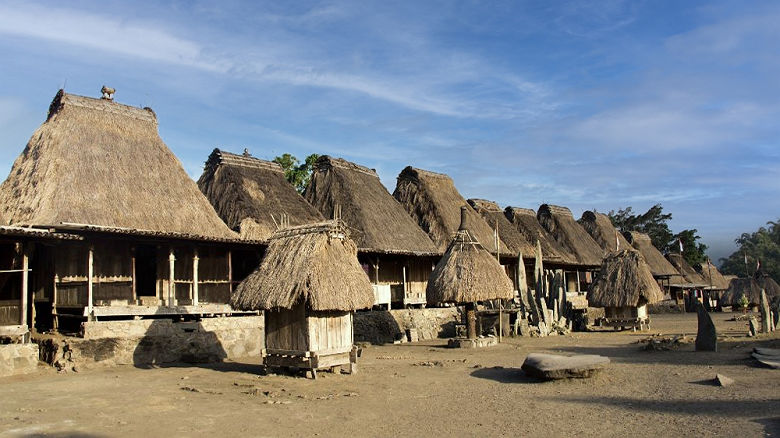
pixel 578 280
pixel 90 273
pixel 133 284
pixel 171 278
pixel 471 320
pixel 25 288
pixel 55 317
pixel 404 273
pixel 376 271
pixel 230 270
pixel 195 260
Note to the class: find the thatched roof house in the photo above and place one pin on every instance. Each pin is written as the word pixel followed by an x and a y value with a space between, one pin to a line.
pixel 467 273
pixel 751 288
pixel 379 223
pixel 688 276
pixel 433 201
pixel 714 279
pixel 252 195
pixel 507 232
pixel 525 222
pixel 312 264
pixel 659 266
pixel 600 228
pixel 101 163
pixel 624 280
pixel 560 223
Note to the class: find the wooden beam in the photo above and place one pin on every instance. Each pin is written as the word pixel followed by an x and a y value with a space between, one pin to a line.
pixel 25 276
pixel 230 269
pixel 90 272
pixel 171 279
pixel 132 260
pixel 195 260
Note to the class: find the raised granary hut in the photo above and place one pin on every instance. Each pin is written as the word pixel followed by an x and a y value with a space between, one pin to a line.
pixel 624 287
pixel 252 195
pixel 468 274
pixel 309 282
pixel 150 244
pixel 600 228
pixel 750 288
pixel 395 252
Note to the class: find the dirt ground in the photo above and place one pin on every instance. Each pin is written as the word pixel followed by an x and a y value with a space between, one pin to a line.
pixel 421 389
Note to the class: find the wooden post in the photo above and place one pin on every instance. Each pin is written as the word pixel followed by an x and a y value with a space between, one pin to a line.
pixel 171 278
pixel 132 261
pixel 230 270
pixel 578 280
pixel 90 272
pixel 404 274
pixel 471 321
pixel 195 260
pixel 376 270
pixel 55 317
pixel 23 312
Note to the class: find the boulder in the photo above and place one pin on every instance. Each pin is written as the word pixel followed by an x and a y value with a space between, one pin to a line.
pixel 752 327
pixel 551 366
pixel 706 336
pixel 722 380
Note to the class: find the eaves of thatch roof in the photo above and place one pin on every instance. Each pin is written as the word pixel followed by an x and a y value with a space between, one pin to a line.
pixel 560 223
pixel 97 162
pixel 712 276
pixel 252 195
pixel 379 223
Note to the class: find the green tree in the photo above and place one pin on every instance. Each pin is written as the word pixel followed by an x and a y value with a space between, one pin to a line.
pixel 693 252
pixel 653 222
pixel 297 173
pixel 762 245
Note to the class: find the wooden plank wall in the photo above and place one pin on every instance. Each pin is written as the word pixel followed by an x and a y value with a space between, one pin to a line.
pixel 330 331
pixel 286 329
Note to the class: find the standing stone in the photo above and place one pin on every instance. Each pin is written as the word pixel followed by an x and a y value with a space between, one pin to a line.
pixel 555 310
pixel 776 313
pixel 545 312
pixel 752 327
pixel 522 327
pixel 706 336
pixel 766 327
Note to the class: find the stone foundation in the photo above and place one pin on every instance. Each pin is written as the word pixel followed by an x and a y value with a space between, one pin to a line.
pixel 387 326
pixel 18 359
pixel 156 341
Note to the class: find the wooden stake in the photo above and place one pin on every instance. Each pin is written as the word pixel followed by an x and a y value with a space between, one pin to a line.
pixel 90 272
pixel 25 264
pixel 132 261
pixel 195 260
pixel 171 278
pixel 230 270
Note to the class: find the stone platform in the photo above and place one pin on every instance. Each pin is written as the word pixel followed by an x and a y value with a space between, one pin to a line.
pixel 472 343
pixel 18 359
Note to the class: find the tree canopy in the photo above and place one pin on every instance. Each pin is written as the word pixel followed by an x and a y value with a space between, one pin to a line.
pixel 762 245
pixel 297 173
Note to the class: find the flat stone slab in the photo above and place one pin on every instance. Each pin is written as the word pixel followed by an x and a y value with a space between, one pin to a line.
pixel 472 343
pixel 767 356
pixel 551 366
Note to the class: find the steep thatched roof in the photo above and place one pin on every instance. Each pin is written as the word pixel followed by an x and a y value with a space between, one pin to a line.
pixel 467 273
pixel 751 288
pixel 712 276
pixel 251 195
pixel 507 232
pixel 560 223
pixel 380 224
pixel 689 276
pixel 525 222
pixel 624 280
pixel 433 201
pixel 97 162
pixel 602 231
pixel 659 266
pixel 316 264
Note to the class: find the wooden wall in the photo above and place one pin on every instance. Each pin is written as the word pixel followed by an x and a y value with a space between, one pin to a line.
pixel 330 331
pixel 286 329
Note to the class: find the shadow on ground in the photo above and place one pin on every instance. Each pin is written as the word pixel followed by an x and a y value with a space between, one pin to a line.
pixel 504 375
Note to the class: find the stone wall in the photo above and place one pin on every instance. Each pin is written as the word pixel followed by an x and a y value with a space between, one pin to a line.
pixel 156 341
pixel 18 359
pixel 386 326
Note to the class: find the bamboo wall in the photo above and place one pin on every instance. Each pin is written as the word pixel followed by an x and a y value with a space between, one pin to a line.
pixel 300 330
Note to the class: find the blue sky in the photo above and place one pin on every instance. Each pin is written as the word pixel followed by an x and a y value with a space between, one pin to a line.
pixel 585 104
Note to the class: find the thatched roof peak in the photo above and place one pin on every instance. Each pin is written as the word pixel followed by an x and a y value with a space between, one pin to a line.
pixel 690 278
pixel 560 223
pixel 712 276
pixel 414 174
pixel 511 212
pixel 484 204
pixel 549 209
pixel 751 289
pixel 527 225
pixel 315 264
pixel 97 162
pixel 624 280
pixel 219 157
pixel 600 228
pixel 507 232
pixel 659 266
pixel 381 224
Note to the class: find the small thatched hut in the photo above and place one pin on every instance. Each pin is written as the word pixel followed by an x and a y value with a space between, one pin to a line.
pixel 710 274
pixel 560 223
pixel 624 287
pixel 396 253
pixel 689 287
pixel 435 204
pixel 751 289
pixel 468 274
pixel 252 195
pixel 600 228
pixel 309 282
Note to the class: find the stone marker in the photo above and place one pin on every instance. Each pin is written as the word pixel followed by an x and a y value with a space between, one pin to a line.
pixel 706 336
pixel 522 327
pixel 551 366
pixel 766 327
pixel 767 356
pixel 722 380
pixel 752 326
pixel 776 313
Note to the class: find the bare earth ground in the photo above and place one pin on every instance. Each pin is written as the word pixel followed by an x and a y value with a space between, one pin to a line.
pixel 421 389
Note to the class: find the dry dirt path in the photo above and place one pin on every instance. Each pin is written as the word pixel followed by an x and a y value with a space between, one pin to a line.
pixel 420 390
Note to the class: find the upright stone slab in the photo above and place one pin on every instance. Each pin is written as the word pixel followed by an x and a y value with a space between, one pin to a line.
pixel 706 336
pixel 766 326
pixel 776 313
pixel 752 327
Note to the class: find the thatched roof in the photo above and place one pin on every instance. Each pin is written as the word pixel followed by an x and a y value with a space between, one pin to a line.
pixel 689 276
pixel 433 201
pixel 251 195
pixel 316 264
pixel 97 162
pixel 379 223
pixel 560 223
pixel 507 232
pixel 659 266
pixel 751 288
pixel 467 273
pixel 712 276
pixel 624 280
pixel 525 222
pixel 600 228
